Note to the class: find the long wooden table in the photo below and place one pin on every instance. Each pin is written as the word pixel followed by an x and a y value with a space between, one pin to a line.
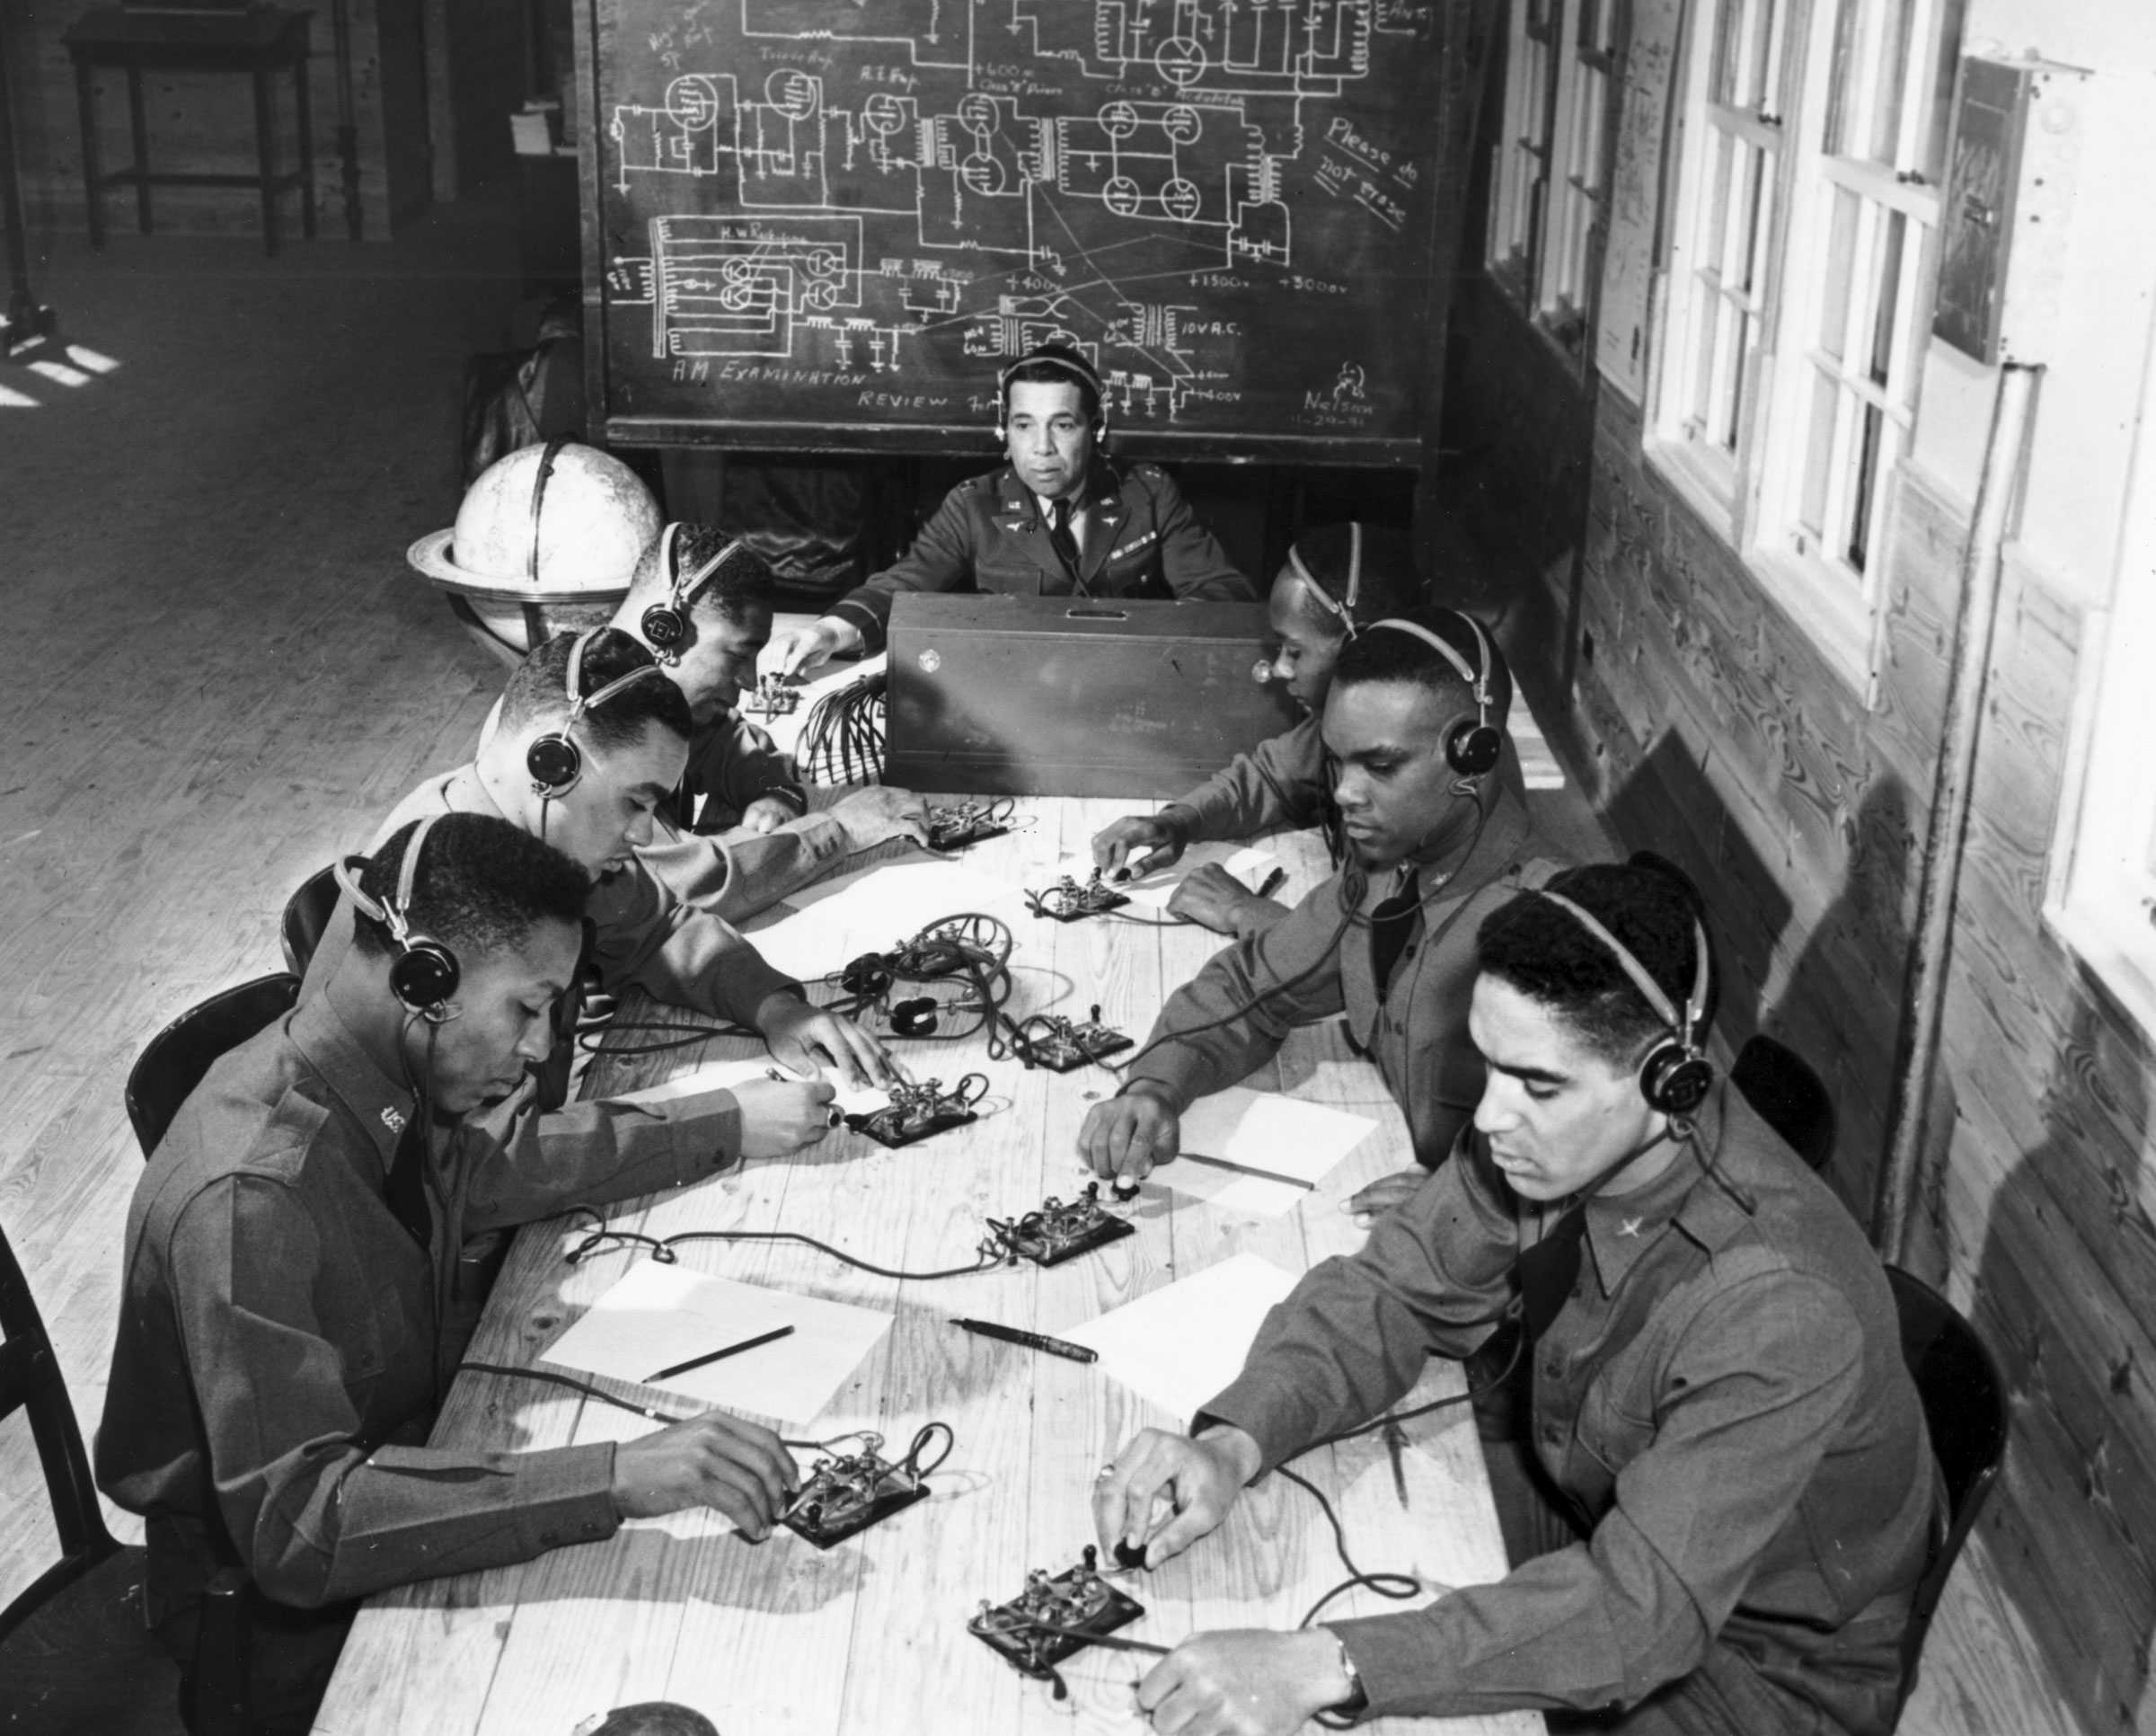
pixel 871 1636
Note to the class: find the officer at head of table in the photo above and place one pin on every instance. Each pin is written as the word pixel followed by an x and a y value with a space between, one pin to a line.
pixel 1435 823
pixel 1056 520
pixel 588 774
pixel 1727 1497
pixel 288 1321
pixel 1337 579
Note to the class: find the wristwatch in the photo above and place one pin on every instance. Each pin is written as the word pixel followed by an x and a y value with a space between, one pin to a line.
pixel 1358 1698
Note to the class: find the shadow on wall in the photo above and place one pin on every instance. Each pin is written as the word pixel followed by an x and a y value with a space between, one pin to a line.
pixel 1668 804
pixel 1840 1005
pixel 1832 993
pixel 2060 1290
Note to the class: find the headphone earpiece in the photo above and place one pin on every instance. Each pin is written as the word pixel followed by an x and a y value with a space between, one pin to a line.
pixel 553 760
pixel 916 1017
pixel 668 626
pixel 425 974
pixel 1675 1076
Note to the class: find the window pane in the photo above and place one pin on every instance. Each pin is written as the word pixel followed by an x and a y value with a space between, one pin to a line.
pixel 1890 287
pixel 1840 80
pixel 1932 156
pixel 1729 26
pixel 1839 265
pixel 1867 466
pixel 1757 94
pixel 1819 460
pixel 1891 79
pixel 1756 222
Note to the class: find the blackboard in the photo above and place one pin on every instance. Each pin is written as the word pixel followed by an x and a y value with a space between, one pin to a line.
pixel 825 224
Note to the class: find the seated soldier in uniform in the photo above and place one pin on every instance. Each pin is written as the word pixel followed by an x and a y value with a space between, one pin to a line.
pixel 285 1332
pixel 1729 1493
pixel 1337 582
pixel 592 739
pixel 1414 722
pixel 1058 519
pixel 737 837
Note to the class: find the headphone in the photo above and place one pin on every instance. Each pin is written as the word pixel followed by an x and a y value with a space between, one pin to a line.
pixel 1471 750
pixel 1342 607
pixel 1676 1075
pixel 665 625
pixel 425 973
pixel 554 760
pixel 546 469
pixel 1066 361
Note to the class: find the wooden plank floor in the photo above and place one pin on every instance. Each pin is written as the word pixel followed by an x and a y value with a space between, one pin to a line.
pixel 220 674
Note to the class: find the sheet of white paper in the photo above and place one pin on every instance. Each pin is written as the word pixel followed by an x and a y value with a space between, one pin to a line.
pixel 1182 1344
pixel 825 925
pixel 1250 1196
pixel 724 1075
pixel 719 1076
pixel 657 1315
pixel 905 895
pixel 1287 1137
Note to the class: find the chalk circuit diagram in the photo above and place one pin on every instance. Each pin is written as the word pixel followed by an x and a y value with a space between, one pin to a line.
pixel 1018 171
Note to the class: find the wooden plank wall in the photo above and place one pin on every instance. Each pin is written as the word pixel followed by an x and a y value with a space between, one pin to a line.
pixel 1709 730
pixel 1716 734
pixel 2039 1213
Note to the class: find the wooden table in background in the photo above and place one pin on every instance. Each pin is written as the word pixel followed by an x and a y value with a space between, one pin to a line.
pixel 870 1637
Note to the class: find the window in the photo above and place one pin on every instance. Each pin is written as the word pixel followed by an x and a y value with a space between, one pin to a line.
pixel 1801 285
pixel 1581 152
pixel 1522 179
pixel 1551 180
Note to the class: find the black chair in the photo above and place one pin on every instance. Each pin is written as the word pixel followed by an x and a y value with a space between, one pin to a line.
pixel 75 1652
pixel 177 1056
pixel 307 914
pixel 1782 1087
pixel 1967 1409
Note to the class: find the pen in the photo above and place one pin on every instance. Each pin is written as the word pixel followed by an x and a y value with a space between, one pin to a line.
pixel 1244 1169
pixel 713 1356
pixel 1272 882
pixel 1031 1340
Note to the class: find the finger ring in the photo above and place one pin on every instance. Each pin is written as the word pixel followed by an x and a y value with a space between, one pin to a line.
pixel 835 1117
pixel 1105 1472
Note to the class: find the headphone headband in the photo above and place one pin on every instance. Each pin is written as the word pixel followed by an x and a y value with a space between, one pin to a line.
pixel 581 703
pixel 686 590
pixel 1477 680
pixel 425 973
pixel 1344 607
pixel 553 759
pixel 1650 989
pixel 1074 365
pixel 1673 1083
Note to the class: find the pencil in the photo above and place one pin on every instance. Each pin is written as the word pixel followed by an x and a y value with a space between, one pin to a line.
pixel 713 1356
pixel 1244 1169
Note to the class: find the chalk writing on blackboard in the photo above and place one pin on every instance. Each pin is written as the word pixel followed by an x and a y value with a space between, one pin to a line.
pixel 1224 204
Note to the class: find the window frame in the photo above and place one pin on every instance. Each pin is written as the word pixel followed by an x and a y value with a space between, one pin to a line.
pixel 1748 476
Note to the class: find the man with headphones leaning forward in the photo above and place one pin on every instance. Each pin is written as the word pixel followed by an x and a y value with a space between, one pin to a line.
pixel 1057 520
pixel 1414 726
pixel 1729 1494
pixel 284 1338
pixel 592 739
